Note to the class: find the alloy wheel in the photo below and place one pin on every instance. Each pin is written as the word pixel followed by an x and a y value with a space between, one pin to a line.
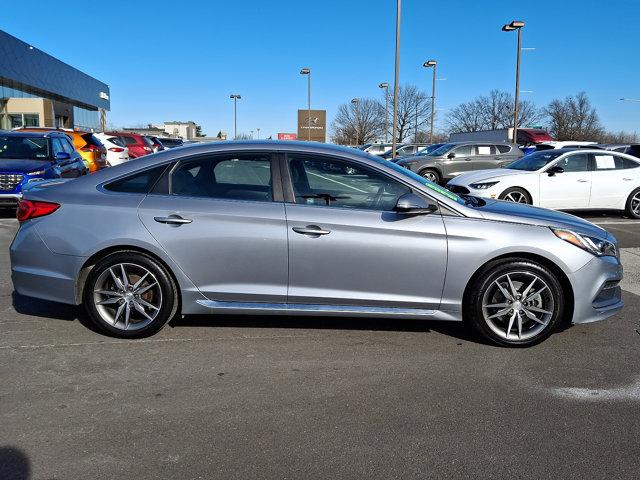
pixel 518 305
pixel 431 176
pixel 635 204
pixel 127 296
pixel 516 197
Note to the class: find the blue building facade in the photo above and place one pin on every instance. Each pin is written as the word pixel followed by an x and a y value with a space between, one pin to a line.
pixel 37 89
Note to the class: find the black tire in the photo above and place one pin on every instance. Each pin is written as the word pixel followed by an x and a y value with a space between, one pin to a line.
pixel 484 288
pixel 516 192
pixel 431 174
pixel 163 289
pixel 632 208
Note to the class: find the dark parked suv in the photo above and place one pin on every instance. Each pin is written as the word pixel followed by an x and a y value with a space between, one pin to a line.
pixel 452 159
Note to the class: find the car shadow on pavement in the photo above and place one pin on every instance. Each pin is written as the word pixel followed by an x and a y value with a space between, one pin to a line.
pixel 453 329
pixel 14 464
pixel 52 310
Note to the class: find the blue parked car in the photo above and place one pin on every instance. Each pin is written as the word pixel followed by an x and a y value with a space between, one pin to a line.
pixel 28 157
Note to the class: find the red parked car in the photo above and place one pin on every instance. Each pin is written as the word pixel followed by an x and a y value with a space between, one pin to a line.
pixel 138 145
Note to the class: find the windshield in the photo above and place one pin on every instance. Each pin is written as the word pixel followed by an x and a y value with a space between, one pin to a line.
pixel 427 183
pixel 442 149
pixel 24 148
pixel 535 161
pixel 429 149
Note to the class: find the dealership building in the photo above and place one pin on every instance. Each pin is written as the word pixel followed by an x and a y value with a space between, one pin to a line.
pixel 38 90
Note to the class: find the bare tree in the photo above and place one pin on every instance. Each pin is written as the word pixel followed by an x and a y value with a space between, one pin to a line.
pixel 573 118
pixel 414 110
pixel 358 123
pixel 491 112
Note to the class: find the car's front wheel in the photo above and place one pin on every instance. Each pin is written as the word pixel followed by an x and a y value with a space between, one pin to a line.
pixel 633 204
pixel 516 195
pixel 129 294
pixel 515 302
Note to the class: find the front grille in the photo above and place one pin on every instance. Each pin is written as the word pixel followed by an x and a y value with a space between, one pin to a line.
pixel 458 189
pixel 8 181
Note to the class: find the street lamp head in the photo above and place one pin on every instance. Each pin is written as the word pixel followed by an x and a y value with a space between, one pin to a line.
pixel 235 95
pixel 517 23
pixel 355 100
pixel 429 63
pixel 383 85
pixel 507 28
pixel 305 71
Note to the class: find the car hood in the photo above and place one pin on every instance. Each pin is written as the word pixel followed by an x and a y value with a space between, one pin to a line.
pixel 491 174
pixel 504 211
pixel 22 166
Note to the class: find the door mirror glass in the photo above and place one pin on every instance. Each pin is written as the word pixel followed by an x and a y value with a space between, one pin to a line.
pixel 62 156
pixel 412 204
pixel 553 170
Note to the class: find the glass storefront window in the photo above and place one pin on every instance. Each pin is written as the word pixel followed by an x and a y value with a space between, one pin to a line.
pixel 31 120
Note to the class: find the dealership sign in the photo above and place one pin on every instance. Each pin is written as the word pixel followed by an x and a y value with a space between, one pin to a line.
pixel 312 124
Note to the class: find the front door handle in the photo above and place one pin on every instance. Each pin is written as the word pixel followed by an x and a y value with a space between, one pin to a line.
pixel 627 179
pixel 312 230
pixel 173 220
pixel 582 180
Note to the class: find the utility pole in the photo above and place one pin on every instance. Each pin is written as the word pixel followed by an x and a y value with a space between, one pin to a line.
pixel 427 64
pixel 385 85
pixel 396 80
pixel 516 25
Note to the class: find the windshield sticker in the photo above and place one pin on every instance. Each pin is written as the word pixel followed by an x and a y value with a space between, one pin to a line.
pixel 442 191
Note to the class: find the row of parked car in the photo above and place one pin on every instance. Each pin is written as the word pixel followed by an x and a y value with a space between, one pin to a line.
pixel 33 154
pixel 566 175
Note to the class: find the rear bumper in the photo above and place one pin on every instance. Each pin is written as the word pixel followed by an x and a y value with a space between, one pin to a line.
pixel 10 199
pixel 38 272
pixel 597 292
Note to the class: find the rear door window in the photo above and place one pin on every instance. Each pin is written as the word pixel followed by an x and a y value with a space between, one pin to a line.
pixel 485 150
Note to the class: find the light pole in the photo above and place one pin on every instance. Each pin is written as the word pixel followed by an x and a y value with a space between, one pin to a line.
pixel 235 98
pixel 427 64
pixel 251 134
pixel 258 134
pixel 355 102
pixel 396 80
pixel 385 85
pixel 307 72
pixel 509 27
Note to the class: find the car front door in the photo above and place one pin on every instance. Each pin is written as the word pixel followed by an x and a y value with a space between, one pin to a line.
pixel 348 247
pixel 457 161
pixel 570 189
pixel 613 179
pixel 76 165
pixel 64 167
pixel 221 219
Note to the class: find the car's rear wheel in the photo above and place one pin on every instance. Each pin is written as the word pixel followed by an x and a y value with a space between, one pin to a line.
pixel 633 204
pixel 431 174
pixel 516 195
pixel 515 302
pixel 129 294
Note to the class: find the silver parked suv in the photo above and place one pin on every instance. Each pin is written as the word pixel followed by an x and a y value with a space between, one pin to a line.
pixel 452 159
pixel 308 229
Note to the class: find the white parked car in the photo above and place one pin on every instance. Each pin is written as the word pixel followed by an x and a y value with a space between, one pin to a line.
pixel 117 151
pixel 563 179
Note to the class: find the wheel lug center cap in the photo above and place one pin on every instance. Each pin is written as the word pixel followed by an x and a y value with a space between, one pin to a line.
pixel 517 305
pixel 128 296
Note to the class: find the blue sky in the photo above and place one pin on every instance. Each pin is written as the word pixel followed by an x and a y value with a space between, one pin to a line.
pixel 167 60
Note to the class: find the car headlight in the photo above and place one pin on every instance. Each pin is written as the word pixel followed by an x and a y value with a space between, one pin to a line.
pixel 36 172
pixel 482 185
pixel 597 246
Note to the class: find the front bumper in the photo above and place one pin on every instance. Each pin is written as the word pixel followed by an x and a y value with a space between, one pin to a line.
pixel 597 293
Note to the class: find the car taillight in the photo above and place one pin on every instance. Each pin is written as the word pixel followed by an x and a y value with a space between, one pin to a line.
pixel 89 148
pixel 28 209
pixel 116 149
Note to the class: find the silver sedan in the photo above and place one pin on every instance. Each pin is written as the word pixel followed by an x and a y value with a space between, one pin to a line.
pixel 305 229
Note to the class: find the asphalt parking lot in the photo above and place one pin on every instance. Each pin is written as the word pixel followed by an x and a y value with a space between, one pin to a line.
pixel 268 397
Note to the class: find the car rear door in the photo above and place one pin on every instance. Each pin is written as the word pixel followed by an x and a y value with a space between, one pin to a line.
pixel 486 157
pixel 570 189
pixel 221 218
pixel 613 180
pixel 348 247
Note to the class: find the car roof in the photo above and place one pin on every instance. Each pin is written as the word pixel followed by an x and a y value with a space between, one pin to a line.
pixel 31 134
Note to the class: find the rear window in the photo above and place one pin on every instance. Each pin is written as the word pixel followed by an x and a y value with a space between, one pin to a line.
pixel 91 139
pixel 140 182
pixel 129 140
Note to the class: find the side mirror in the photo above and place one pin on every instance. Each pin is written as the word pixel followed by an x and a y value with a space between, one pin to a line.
pixel 412 204
pixel 553 170
pixel 451 155
pixel 61 156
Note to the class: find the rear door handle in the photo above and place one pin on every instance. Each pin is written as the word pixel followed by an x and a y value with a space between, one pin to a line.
pixel 173 220
pixel 313 230
pixel 627 179
pixel 582 180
